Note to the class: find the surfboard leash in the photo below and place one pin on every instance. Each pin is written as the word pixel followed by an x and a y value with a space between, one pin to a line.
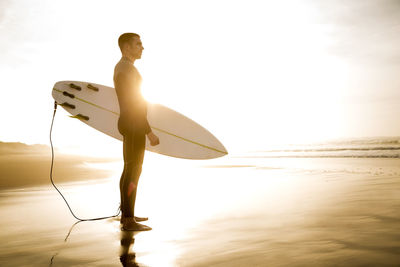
pixel 52 182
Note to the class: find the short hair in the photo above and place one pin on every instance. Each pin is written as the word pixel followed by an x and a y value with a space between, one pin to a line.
pixel 125 38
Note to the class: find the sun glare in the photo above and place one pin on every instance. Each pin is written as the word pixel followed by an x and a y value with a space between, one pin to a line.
pixel 286 72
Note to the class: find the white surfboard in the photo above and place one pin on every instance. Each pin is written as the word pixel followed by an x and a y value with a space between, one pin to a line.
pixel 97 106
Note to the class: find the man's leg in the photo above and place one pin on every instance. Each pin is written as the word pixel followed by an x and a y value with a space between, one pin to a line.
pixel 138 156
pixel 134 146
pixel 121 190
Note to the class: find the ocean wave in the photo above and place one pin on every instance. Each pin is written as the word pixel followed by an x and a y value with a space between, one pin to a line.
pixel 367 141
pixel 387 147
pixel 334 149
pixel 324 156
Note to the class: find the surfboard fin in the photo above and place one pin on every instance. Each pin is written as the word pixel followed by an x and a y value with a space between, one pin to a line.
pixel 74 86
pixel 80 117
pixel 94 88
pixel 68 94
pixel 67 105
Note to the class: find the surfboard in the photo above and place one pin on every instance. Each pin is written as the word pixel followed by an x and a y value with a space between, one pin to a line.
pixel 97 106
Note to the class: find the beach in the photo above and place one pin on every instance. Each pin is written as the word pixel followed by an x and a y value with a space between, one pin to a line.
pixel 293 105
pixel 233 211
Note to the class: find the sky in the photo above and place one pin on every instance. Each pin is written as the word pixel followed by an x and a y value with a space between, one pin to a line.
pixel 254 73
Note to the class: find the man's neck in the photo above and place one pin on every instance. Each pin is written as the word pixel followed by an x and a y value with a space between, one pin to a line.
pixel 128 58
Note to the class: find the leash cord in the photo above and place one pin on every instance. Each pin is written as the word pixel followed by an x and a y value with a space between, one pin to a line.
pixel 52 182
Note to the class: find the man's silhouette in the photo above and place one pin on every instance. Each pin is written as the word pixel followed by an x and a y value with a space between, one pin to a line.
pixel 133 125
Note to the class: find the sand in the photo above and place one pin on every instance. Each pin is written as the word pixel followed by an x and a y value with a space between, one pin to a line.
pixel 24 165
pixel 228 212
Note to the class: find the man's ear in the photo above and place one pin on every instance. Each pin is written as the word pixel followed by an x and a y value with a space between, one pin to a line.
pixel 125 47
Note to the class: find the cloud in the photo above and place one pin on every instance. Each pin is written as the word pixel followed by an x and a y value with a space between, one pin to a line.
pixel 363 31
pixel 25 28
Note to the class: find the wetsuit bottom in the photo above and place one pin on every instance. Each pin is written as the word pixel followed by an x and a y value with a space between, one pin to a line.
pixel 133 148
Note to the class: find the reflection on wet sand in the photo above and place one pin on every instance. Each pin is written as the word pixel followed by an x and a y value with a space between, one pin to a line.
pixel 127 257
pixel 65 240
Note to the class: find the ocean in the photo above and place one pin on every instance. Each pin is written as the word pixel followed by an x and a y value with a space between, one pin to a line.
pixel 388 147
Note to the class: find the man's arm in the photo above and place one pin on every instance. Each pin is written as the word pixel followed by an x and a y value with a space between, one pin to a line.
pixel 124 82
pixel 152 137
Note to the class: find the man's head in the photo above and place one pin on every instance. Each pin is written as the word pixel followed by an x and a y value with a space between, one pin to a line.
pixel 130 45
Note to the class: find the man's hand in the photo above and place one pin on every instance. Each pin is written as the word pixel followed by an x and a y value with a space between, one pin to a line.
pixel 153 139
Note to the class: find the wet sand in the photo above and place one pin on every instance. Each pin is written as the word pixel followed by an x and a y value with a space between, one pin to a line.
pixel 228 212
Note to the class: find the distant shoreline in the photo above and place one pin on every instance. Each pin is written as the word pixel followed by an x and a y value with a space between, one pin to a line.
pixel 24 165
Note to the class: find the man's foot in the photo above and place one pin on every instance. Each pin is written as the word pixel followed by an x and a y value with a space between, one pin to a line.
pixel 129 224
pixel 137 219
pixel 128 259
pixel 141 219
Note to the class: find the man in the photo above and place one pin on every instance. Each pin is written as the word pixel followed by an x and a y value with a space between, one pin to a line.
pixel 133 125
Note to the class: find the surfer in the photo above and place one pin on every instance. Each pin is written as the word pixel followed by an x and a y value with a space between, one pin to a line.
pixel 133 126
